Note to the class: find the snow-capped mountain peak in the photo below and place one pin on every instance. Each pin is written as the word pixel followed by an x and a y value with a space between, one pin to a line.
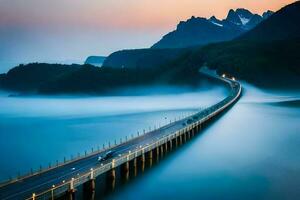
pixel 244 20
pixel 216 21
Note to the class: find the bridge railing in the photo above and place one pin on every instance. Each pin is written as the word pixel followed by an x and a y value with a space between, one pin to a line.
pixel 86 154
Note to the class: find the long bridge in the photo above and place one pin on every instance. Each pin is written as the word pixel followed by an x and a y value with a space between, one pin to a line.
pixel 61 181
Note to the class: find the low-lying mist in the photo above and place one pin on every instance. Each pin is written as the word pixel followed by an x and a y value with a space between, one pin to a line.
pixel 39 130
pixel 146 99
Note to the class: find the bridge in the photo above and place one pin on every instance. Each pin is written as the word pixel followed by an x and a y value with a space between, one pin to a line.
pixel 62 180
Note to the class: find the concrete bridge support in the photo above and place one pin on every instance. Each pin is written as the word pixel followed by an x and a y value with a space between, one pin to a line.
pixel 89 189
pixel 90 186
pixel 150 155
pixel 70 195
pixel 125 167
pixel 125 171
pixel 162 150
pixel 134 166
pixel 143 158
pixel 193 132
pixel 150 158
pixel 180 140
pixel 143 161
pixel 171 144
pixel 112 174
pixel 111 179
pixel 157 152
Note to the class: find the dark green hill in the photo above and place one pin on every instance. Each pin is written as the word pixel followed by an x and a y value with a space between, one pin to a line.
pixel 95 60
pixel 32 76
pixel 266 64
pixel 141 58
pixel 87 79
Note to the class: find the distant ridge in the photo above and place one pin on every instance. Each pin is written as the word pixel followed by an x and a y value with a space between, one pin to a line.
pixel 266 56
pixel 201 31
pixel 95 60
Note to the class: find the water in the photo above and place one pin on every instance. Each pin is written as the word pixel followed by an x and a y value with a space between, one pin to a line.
pixel 252 152
pixel 37 131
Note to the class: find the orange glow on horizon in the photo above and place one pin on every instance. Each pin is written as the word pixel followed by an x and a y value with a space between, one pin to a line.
pixel 129 14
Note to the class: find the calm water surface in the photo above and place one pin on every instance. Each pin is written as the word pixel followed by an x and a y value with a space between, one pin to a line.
pixel 252 152
pixel 37 131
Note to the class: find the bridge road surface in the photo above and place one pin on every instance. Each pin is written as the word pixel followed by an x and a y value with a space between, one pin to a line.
pixel 23 189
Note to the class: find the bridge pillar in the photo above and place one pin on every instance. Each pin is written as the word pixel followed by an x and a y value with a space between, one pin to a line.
pixel 166 146
pixel 171 145
pixel 184 137
pixel 71 192
pixel 157 152
pixel 143 161
pixel 92 185
pixel 112 174
pixel 89 189
pixel 111 179
pixel 150 155
pixel 71 195
pixel 125 167
pixel 176 141
pixel 135 166
pixel 162 150
pixel 180 139
pixel 189 135
pixel 135 162
pixel 125 171
pixel 193 133
pixel 143 157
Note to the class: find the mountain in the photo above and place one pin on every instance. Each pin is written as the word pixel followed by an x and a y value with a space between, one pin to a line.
pixel 284 24
pixel 201 31
pixel 268 56
pixel 267 14
pixel 141 58
pixel 192 33
pixel 197 31
pixel 95 60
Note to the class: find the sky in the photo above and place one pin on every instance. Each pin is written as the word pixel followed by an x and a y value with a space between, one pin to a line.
pixel 71 30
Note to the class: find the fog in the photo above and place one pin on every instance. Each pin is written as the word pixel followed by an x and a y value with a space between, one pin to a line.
pixel 251 152
pixel 37 130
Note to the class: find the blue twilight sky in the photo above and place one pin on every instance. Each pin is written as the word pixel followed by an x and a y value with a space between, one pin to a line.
pixel 70 30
